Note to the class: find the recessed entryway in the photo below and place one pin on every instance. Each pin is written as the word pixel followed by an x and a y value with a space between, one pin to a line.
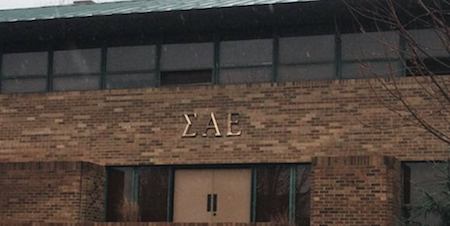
pixel 212 195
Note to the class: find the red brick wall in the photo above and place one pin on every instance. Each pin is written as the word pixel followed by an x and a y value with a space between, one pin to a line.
pixel 290 122
pixel 92 192
pixel 280 123
pixel 356 191
pixel 51 191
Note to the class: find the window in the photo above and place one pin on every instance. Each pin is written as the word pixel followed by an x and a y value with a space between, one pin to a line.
pixel 137 194
pixel 429 54
pixel 187 63
pixel 277 200
pixel 76 69
pixel 367 55
pixel 246 61
pixel 130 67
pixel 306 58
pixel 420 179
pixel 24 72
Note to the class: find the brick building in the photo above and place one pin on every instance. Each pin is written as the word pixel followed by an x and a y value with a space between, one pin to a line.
pixel 206 111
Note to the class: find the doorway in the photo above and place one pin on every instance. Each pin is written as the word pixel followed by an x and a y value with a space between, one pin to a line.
pixel 212 195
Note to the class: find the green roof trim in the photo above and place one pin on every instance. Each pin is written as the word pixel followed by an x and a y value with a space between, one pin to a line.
pixel 126 7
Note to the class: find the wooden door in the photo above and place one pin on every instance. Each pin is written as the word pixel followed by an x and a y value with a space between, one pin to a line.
pixel 233 191
pixel 221 195
pixel 191 191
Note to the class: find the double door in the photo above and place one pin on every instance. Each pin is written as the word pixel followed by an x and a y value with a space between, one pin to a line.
pixel 213 195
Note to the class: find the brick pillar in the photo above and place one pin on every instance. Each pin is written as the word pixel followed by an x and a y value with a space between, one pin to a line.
pixel 51 192
pixel 356 191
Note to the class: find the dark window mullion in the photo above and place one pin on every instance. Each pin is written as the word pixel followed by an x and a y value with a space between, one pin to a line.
pixel 338 55
pixel 1 68
pixel 158 61
pixel 103 57
pixel 50 68
pixel 216 70
pixel 275 55
pixel 254 189
pixel 170 194
pixel 292 193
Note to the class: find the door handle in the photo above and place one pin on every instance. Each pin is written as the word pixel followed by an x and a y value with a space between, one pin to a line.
pixel 214 202
pixel 208 203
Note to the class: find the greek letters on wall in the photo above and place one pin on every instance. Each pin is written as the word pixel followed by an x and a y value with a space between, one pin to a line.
pixel 232 125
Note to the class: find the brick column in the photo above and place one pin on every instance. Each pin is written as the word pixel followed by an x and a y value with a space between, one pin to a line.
pixel 51 192
pixel 356 191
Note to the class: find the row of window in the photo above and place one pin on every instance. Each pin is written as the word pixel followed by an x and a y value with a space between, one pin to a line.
pixel 280 193
pixel 321 57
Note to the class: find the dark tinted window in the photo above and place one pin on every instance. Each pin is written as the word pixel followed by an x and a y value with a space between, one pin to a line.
pixel 153 194
pixel 120 203
pixel 272 196
pixel 425 183
pixel 303 196
pixel 186 77
pixel 24 85
pixel 80 61
pixel 130 58
pixel 24 64
pixel 137 194
pixel 128 80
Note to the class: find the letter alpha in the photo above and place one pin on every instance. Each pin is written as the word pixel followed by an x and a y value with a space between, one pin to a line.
pixel 213 126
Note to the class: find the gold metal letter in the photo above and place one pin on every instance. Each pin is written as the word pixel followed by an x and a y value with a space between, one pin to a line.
pixel 213 126
pixel 188 125
pixel 231 123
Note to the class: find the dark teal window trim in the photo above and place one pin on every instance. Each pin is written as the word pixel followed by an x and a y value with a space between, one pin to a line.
pixel 50 68
pixel 275 56
pixel 170 194
pixel 253 195
pixel 1 68
pixel 338 55
pixel 216 70
pixel 104 58
pixel 292 192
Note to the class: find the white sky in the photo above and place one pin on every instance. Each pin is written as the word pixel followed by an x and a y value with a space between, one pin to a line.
pixel 12 4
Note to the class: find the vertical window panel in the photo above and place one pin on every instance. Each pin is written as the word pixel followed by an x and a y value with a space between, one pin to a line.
pixel 303 196
pixel 76 83
pixel 24 64
pixel 245 75
pixel 153 193
pixel 306 72
pixel 120 203
pixel 308 49
pixel 429 43
pixel 427 178
pixel 375 45
pixel 80 61
pixel 186 77
pixel 176 57
pixel 371 70
pixel 272 194
pixel 246 52
pixel 24 85
pixel 128 80
pixel 130 58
